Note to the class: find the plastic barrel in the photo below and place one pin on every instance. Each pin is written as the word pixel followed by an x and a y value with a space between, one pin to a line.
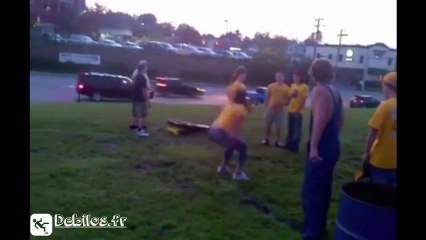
pixel 366 212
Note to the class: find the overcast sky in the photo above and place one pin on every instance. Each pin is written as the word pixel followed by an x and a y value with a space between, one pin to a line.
pixel 366 22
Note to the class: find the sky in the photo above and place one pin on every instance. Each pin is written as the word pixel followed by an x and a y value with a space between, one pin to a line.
pixel 365 21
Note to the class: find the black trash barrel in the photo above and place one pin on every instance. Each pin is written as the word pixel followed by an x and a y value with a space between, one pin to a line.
pixel 367 212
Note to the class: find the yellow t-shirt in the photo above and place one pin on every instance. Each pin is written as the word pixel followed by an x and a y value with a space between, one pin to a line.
pixel 278 94
pixel 233 89
pixel 383 151
pixel 302 92
pixel 227 118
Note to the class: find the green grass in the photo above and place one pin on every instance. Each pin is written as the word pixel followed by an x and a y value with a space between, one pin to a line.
pixel 84 160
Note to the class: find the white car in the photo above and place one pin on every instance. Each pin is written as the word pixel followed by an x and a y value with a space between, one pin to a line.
pixel 109 43
pixel 81 39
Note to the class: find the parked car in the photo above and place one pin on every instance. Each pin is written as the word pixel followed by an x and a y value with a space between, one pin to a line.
pixel 99 86
pixel 109 43
pixel 186 50
pixel 258 96
pixel 54 37
pixel 224 53
pixel 175 86
pixel 157 47
pixel 364 101
pixel 131 45
pixel 81 39
pixel 241 55
pixel 207 51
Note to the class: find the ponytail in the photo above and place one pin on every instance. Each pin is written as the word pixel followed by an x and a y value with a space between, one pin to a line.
pixel 237 72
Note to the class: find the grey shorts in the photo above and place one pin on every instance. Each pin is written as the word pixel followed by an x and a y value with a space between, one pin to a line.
pixel 139 109
pixel 273 116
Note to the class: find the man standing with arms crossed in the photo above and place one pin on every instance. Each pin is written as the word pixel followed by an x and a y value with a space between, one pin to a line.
pixel 380 147
pixel 276 99
pixel 140 99
pixel 298 93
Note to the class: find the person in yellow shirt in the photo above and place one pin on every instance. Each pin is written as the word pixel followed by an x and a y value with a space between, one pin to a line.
pixel 298 93
pixel 380 147
pixel 275 102
pixel 226 131
pixel 237 83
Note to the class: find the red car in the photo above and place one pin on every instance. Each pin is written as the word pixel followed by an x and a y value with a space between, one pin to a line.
pixel 98 86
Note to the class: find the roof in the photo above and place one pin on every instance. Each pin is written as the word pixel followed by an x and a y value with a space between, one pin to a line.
pixel 103 74
pixel 353 45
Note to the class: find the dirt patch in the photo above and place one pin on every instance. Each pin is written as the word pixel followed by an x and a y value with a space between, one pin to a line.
pixel 263 208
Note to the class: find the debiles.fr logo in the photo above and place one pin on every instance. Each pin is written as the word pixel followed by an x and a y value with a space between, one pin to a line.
pixel 42 224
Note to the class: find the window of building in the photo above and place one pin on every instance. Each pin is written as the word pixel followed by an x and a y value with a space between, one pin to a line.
pixel 361 59
pixel 330 56
pixel 390 61
pixel 318 55
pixel 340 57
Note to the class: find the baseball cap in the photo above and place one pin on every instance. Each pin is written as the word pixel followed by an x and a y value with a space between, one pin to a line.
pixel 142 63
pixel 390 79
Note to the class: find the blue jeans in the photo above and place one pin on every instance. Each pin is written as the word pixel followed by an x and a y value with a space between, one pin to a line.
pixel 230 144
pixel 383 176
pixel 294 131
pixel 316 192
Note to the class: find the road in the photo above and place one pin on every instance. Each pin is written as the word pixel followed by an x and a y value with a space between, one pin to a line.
pixel 60 88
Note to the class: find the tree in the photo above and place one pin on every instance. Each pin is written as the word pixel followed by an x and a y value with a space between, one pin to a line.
pixel 98 8
pixel 188 34
pixel 147 19
pixel 311 39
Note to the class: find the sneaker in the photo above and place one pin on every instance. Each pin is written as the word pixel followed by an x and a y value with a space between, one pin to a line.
pixel 221 169
pixel 265 142
pixel 133 127
pixel 279 145
pixel 142 133
pixel 240 176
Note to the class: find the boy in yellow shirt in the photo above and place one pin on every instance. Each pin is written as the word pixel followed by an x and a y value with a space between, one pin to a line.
pixel 275 102
pixel 226 131
pixel 380 146
pixel 298 93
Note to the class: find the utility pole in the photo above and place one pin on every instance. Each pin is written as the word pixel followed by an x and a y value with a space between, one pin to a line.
pixel 340 35
pixel 317 26
pixel 226 22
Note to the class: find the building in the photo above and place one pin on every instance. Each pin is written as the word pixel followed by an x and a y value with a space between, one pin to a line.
pixel 354 63
pixel 51 11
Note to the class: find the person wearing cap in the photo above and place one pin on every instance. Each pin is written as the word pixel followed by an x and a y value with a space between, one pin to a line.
pixel 298 93
pixel 134 125
pixel 275 103
pixel 380 147
pixel 140 100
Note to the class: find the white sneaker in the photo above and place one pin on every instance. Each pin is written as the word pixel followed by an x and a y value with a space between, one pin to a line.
pixel 142 133
pixel 221 169
pixel 240 176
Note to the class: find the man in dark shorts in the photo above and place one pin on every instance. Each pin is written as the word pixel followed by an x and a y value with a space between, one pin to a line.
pixel 140 100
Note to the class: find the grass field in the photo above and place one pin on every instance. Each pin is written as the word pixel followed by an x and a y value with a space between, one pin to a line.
pixel 84 160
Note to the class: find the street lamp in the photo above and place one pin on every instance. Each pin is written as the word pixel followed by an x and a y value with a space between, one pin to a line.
pixel 226 23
